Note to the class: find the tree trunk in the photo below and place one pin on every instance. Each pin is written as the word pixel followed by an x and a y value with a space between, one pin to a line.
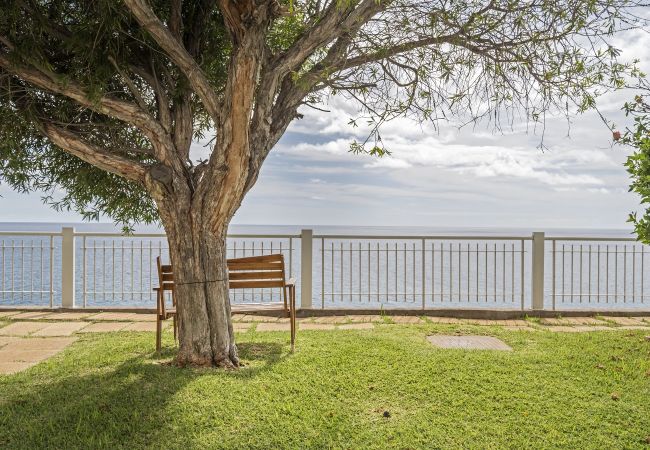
pixel 198 255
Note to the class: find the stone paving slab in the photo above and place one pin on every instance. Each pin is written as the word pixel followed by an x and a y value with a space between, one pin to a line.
pixel 55 343
pixel 11 367
pixel 445 320
pixel 4 340
pixel 330 319
pixel 60 329
pixel 584 321
pixel 577 329
pixel 8 313
pixel 103 327
pixel 358 318
pixel 68 316
pixel 273 327
pixel 24 353
pixel 33 356
pixel 238 326
pixel 357 326
pixel 317 326
pixel 142 326
pixel 519 328
pixel 624 320
pixel 22 328
pixel 30 315
pixel 553 321
pixel 406 319
pixel 469 342
pixel 140 317
pixel 114 316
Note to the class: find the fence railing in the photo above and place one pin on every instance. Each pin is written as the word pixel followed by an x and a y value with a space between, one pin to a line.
pixel 534 272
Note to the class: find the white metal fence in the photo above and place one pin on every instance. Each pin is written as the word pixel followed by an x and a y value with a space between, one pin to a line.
pixel 71 269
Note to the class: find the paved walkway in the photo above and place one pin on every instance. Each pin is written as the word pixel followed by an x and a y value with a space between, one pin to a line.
pixel 29 337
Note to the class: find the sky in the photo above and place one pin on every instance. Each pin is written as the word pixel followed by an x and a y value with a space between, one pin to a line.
pixel 470 177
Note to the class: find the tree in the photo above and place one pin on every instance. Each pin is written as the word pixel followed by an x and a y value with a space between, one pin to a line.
pixel 103 98
pixel 638 163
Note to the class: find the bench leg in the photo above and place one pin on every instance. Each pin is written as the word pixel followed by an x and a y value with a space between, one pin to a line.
pixel 293 318
pixel 158 333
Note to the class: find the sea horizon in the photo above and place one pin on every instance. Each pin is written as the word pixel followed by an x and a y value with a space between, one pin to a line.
pixel 387 230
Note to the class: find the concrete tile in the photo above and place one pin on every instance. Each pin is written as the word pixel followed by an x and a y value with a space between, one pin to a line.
pixel 142 326
pixel 552 321
pixel 114 316
pixel 34 356
pixel 358 318
pixel 406 319
pixel 469 342
pixel 357 326
pixel 11 367
pixel 60 329
pixel 330 319
pixel 56 343
pixel 633 327
pixel 515 323
pixel 624 320
pixel 273 327
pixel 4 340
pixel 68 316
pixel 483 322
pixel 103 327
pixel 584 321
pixel 237 317
pixel 30 315
pixel 445 320
pixel 8 313
pixel 317 326
pixel 266 319
pixel 22 328
pixel 238 326
pixel 519 328
pixel 142 317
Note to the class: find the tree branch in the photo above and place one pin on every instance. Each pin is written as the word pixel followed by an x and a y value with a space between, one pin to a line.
pixel 92 154
pixel 119 109
pixel 177 53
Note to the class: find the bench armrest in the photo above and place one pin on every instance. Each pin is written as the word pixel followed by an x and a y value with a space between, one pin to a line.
pixel 290 282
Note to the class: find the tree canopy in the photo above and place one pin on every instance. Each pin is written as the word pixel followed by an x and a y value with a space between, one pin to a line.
pixel 96 94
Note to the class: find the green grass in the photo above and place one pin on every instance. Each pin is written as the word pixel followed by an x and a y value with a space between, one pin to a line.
pixel 554 391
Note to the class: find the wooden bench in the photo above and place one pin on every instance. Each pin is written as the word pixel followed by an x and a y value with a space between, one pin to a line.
pixel 255 272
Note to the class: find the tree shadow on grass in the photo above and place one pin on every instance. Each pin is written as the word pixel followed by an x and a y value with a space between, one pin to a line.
pixel 115 406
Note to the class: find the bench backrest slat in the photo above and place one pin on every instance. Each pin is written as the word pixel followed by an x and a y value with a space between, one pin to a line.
pixel 265 271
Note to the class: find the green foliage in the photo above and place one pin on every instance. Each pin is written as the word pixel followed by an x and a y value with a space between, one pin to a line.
pixel 638 163
pixel 92 44
pixel 553 391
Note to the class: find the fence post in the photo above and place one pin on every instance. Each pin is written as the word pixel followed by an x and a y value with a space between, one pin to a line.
pixel 67 267
pixel 538 271
pixel 306 249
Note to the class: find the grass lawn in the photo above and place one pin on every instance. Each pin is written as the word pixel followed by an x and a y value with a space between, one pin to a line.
pixel 553 391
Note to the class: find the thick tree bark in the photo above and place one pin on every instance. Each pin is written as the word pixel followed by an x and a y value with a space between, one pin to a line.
pixel 198 256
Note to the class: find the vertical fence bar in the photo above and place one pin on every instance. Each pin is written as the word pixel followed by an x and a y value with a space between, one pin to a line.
pixel 322 271
pixel 83 258
pixel 67 268
pixel 306 248
pixel 522 264
pixel 553 281
pixel 537 288
pixel 424 280
pixel 51 271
